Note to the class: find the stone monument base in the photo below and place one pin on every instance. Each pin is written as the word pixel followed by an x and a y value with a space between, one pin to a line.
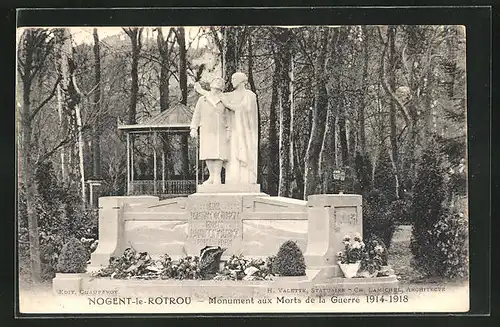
pixel 216 219
pixel 203 289
pixel 228 188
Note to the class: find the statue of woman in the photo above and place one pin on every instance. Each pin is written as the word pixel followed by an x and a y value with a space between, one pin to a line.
pixel 241 166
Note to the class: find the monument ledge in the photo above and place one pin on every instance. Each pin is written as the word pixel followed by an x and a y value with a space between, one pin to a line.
pixel 228 188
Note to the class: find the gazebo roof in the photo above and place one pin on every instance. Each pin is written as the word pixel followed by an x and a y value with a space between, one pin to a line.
pixel 176 118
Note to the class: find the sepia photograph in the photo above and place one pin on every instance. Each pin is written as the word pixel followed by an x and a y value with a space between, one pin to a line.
pixel 242 169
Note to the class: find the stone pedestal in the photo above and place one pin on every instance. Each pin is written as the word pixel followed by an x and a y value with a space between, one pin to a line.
pixel 330 217
pixel 111 227
pixel 228 188
pixel 216 219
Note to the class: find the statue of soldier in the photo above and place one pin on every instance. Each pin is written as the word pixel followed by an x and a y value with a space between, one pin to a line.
pixel 211 117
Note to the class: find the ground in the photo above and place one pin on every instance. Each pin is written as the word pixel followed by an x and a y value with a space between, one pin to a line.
pixel 399 258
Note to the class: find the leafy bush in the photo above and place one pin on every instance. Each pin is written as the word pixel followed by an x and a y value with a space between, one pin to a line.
pixel 383 179
pixel 427 211
pixel 73 257
pixel 378 220
pixel 399 211
pixel 452 234
pixel 363 167
pixel 59 213
pixel 271 263
pixel 289 260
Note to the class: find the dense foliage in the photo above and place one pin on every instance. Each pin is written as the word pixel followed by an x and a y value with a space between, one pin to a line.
pixel 60 217
pixel 439 238
pixel 73 258
pixel 289 260
pixel 379 217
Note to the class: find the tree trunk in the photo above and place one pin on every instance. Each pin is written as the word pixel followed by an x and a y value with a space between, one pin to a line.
pixel 135 35
pixel 30 184
pixel 164 70
pixel 361 116
pixel 285 156
pixel 230 60
pixel 27 169
pixel 71 103
pixel 273 161
pixel 96 135
pixel 63 124
pixel 343 135
pixel 311 170
pixel 391 33
pixel 181 41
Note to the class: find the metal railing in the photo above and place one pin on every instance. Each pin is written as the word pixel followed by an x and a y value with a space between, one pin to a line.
pixel 148 187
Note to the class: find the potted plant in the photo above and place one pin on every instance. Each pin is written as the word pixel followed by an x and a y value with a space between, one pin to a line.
pixel 289 262
pixel 350 258
pixel 71 267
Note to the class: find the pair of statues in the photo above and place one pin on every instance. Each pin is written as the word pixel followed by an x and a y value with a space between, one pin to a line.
pixel 228 126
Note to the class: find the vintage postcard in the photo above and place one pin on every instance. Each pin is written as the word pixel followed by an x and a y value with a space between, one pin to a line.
pixel 242 169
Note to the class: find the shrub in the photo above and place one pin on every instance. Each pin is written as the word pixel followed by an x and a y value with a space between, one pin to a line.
pixel 383 179
pixel 59 214
pixel 378 220
pixel 375 256
pixel 427 210
pixel 363 167
pixel 289 260
pixel 452 240
pixel 400 211
pixel 73 258
pixel 271 263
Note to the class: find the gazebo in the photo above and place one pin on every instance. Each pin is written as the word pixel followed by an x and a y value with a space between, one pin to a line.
pixel 166 127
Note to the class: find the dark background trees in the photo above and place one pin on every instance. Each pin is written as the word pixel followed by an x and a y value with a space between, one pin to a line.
pixel 367 99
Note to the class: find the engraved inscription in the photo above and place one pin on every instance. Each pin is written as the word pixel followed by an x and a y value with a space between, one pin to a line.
pixel 346 215
pixel 214 223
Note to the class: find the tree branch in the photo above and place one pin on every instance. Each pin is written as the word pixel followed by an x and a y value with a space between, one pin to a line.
pixel 387 88
pixel 217 40
pixel 44 102
pixel 302 47
pixel 48 154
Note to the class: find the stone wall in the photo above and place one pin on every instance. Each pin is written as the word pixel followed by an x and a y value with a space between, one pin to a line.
pixel 252 224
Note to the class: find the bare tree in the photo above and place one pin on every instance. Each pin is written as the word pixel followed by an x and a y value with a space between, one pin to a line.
pixel 312 174
pixel 71 98
pixel 274 168
pixel 165 48
pixel 181 41
pixel 96 134
pixel 135 35
pixel 284 38
pixel 34 48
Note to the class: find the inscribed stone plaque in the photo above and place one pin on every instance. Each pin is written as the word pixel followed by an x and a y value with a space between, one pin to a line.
pixel 215 220
pixel 346 220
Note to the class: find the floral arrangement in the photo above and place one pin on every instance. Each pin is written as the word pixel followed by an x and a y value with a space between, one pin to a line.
pixel 354 250
pixel 374 257
pixel 241 268
pixel 139 265
pixel 369 258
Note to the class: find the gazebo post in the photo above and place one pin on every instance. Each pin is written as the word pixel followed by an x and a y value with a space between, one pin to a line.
pixel 154 163
pixel 163 165
pixel 132 139
pixel 128 163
